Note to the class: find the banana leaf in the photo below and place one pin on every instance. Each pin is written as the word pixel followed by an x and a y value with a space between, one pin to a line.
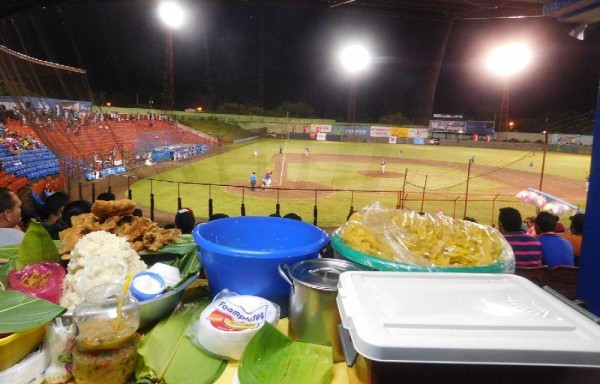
pixel 273 358
pixel 37 246
pixel 8 257
pixel 186 256
pixel 168 356
pixel 20 312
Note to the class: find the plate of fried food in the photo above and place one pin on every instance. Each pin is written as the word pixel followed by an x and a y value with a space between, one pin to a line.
pixel 408 241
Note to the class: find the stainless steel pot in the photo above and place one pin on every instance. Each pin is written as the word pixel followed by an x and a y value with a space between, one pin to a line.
pixel 313 313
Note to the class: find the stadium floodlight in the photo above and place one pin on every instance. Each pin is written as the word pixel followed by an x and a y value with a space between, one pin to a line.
pixel 171 14
pixel 354 58
pixel 509 59
pixel 505 61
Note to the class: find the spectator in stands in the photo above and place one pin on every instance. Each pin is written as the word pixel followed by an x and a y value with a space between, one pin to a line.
pixel 527 249
pixel 74 208
pixel 560 228
pixel 292 216
pixel 555 249
pixel 53 209
pixel 185 220
pixel 10 218
pixel 217 216
pixel 575 235
pixel 106 196
pixel 530 224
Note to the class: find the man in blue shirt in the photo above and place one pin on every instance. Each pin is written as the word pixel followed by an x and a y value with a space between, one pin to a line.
pixel 555 249
pixel 253 180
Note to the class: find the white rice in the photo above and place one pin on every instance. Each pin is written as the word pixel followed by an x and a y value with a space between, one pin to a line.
pixel 98 258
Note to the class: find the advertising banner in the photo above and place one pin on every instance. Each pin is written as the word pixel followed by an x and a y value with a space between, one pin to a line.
pixel 447 126
pixel 358 130
pixel 419 141
pixel 321 136
pixel 399 132
pixel 392 139
pixel 380 131
pixel 338 129
pixel 418 132
pixel 320 128
pixel 480 127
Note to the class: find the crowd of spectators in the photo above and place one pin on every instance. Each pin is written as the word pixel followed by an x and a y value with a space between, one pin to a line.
pixel 16 143
pixel 542 240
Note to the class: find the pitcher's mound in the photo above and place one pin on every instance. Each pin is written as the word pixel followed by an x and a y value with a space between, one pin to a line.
pixel 387 175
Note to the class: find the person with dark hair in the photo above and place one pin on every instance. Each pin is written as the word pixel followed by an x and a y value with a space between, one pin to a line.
pixel 292 216
pixel 74 208
pixel 575 235
pixel 53 207
pixel 185 220
pixel 137 212
pixel 10 218
pixel 217 216
pixel 555 249
pixel 106 196
pixel 527 249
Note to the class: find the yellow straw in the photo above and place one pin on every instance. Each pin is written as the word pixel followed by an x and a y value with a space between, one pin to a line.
pixel 123 294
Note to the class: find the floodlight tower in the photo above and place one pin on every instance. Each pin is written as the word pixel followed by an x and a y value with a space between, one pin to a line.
pixel 506 61
pixel 172 15
pixel 354 58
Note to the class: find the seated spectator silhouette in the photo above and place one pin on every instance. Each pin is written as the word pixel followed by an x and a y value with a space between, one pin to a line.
pixel 217 216
pixel 137 212
pixel 527 249
pixel 74 208
pixel 292 216
pixel 560 228
pixel 185 220
pixel 575 235
pixel 106 196
pixel 555 249
pixel 53 209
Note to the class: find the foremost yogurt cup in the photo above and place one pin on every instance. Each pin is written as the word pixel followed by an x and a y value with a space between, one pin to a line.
pixel 146 285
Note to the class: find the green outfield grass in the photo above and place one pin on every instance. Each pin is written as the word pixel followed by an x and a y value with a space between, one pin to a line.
pixel 445 169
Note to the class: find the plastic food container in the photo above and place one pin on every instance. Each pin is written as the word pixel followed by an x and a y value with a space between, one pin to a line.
pixel 147 285
pixel 15 347
pixel 344 252
pixel 242 254
pixel 492 328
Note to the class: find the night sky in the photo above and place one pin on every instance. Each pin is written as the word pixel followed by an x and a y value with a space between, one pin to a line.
pixel 266 55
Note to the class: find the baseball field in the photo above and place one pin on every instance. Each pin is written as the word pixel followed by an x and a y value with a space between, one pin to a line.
pixel 335 176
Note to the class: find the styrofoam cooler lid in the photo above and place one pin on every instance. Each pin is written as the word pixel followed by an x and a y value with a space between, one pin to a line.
pixel 463 318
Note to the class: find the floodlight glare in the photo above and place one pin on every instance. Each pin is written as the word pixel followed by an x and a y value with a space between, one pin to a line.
pixel 171 14
pixel 355 58
pixel 509 59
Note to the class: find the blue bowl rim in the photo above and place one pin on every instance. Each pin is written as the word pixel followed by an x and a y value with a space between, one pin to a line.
pixel 245 253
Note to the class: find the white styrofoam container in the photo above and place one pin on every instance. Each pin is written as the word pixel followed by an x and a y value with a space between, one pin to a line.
pixel 488 319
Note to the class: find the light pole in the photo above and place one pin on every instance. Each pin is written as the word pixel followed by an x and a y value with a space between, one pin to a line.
pixel 545 133
pixel 172 15
pixel 506 61
pixel 355 58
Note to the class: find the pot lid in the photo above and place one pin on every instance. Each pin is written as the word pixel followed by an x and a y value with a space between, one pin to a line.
pixel 321 274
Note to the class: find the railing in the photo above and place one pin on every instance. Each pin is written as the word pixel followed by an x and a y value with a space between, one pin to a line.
pixel 322 207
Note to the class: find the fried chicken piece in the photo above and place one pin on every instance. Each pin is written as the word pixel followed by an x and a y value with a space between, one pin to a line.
pixel 83 219
pixel 159 237
pixel 69 238
pixel 105 209
pixel 138 246
pixel 109 224
pixel 133 228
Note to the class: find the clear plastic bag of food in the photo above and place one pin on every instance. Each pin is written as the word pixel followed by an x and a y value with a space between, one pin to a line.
pixel 43 280
pixel 402 240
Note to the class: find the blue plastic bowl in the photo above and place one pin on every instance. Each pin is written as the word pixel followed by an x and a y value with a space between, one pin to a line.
pixel 242 254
